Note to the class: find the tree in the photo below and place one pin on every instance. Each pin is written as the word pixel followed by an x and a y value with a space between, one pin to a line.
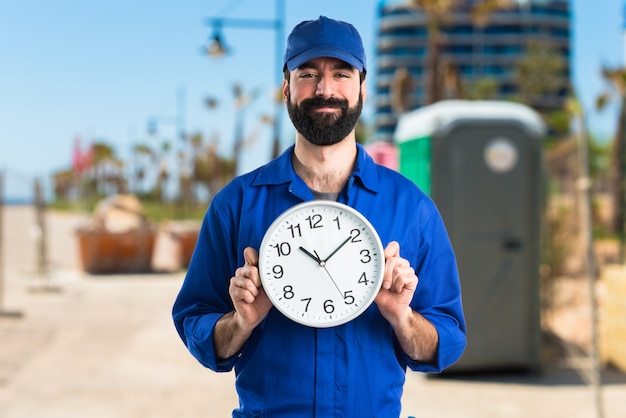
pixel 539 72
pixel 144 159
pixel 242 100
pixel 64 183
pixel 164 171
pixel 108 171
pixel 442 79
pixel 616 80
pixel 482 89
pixel 209 170
pixel 436 12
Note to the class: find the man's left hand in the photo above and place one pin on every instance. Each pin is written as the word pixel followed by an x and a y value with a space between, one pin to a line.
pixel 399 284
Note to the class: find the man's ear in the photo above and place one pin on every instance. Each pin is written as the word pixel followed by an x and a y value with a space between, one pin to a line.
pixel 364 90
pixel 285 90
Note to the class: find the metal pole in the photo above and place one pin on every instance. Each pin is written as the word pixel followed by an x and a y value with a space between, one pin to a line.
pixel 280 36
pixel 3 313
pixel 42 256
pixel 278 26
pixel 620 150
pixel 584 188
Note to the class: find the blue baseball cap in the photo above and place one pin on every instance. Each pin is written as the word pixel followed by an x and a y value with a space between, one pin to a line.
pixel 324 37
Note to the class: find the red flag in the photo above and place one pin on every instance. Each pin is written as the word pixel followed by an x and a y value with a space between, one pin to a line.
pixel 77 156
pixel 81 160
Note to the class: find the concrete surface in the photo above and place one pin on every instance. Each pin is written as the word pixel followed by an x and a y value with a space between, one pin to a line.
pixel 105 346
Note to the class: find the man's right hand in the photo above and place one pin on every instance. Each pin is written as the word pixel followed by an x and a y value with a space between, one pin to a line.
pixel 251 305
pixel 246 292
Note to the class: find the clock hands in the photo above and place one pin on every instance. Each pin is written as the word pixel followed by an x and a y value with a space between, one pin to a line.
pixel 317 259
pixel 322 263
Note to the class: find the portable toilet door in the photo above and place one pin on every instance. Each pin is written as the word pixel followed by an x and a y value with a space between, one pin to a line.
pixel 485 177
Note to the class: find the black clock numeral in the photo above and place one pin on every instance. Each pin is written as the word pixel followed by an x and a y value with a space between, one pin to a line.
pixel 365 256
pixel 355 235
pixel 308 301
pixel 278 271
pixel 288 292
pixel 363 279
pixel 348 299
pixel 337 221
pixel 315 221
pixel 295 229
pixel 329 307
pixel 283 248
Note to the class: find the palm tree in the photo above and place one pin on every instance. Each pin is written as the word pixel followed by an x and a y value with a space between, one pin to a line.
pixel 242 100
pixel 539 74
pixel 441 76
pixel 144 158
pixel 64 183
pixel 164 170
pixel 616 78
pixel 108 177
pixel 436 12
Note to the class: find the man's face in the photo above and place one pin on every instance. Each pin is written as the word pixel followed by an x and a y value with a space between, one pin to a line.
pixel 324 100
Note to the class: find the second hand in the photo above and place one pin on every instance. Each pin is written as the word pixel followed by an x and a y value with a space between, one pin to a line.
pixel 333 280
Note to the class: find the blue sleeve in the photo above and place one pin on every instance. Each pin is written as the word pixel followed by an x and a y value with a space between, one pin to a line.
pixel 438 296
pixel 203 298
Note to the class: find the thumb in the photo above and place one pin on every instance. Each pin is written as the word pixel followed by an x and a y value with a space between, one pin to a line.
pixel 392 250
pixel 250 256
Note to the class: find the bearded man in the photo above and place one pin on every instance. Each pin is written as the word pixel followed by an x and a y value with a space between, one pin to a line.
pixel 225 318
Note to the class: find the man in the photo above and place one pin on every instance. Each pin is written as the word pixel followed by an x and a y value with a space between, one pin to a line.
pixel 222 312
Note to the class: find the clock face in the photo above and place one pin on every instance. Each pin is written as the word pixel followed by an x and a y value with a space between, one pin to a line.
pixel 321 263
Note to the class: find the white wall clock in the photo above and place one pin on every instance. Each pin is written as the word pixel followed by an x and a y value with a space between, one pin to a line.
pixel 321 263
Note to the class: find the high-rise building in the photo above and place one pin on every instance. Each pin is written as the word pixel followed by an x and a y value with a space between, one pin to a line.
pixel 478 58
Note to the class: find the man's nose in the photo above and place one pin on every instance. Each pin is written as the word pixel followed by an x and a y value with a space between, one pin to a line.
pixel 325 87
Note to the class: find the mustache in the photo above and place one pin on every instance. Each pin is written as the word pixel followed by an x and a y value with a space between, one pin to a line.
pixel 318 102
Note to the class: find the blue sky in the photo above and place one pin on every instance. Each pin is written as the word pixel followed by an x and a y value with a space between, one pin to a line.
pixel 100 69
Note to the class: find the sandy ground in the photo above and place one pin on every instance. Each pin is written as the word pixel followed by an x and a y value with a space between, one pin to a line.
pixel 77 345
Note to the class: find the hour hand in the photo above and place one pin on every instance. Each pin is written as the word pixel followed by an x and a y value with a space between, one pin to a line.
pixel 310 254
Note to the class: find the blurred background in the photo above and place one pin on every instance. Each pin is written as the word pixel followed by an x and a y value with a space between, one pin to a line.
pixel 138 84
pixel 119 121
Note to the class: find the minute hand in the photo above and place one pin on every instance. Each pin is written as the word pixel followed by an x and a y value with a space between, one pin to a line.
pixel 337 249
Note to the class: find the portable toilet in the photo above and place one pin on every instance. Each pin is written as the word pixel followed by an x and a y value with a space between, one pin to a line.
pixel 480 161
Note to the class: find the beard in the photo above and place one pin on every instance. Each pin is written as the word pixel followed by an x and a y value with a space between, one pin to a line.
pixel 324 128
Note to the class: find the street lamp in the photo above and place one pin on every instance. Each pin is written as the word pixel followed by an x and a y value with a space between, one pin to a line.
pixel 216 48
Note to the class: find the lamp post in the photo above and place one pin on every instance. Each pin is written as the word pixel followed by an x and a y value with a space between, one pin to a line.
pixel 179 121
pixel 216 48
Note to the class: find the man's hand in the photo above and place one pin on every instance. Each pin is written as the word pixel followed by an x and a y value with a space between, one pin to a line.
pixel 251 306
pixel 251 302
pixel 399 284
pixel 417 336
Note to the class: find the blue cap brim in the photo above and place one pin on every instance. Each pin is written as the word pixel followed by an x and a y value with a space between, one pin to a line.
pixel 324 51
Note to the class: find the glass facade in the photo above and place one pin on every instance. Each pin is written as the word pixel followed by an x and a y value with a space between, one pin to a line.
pixel 471 53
